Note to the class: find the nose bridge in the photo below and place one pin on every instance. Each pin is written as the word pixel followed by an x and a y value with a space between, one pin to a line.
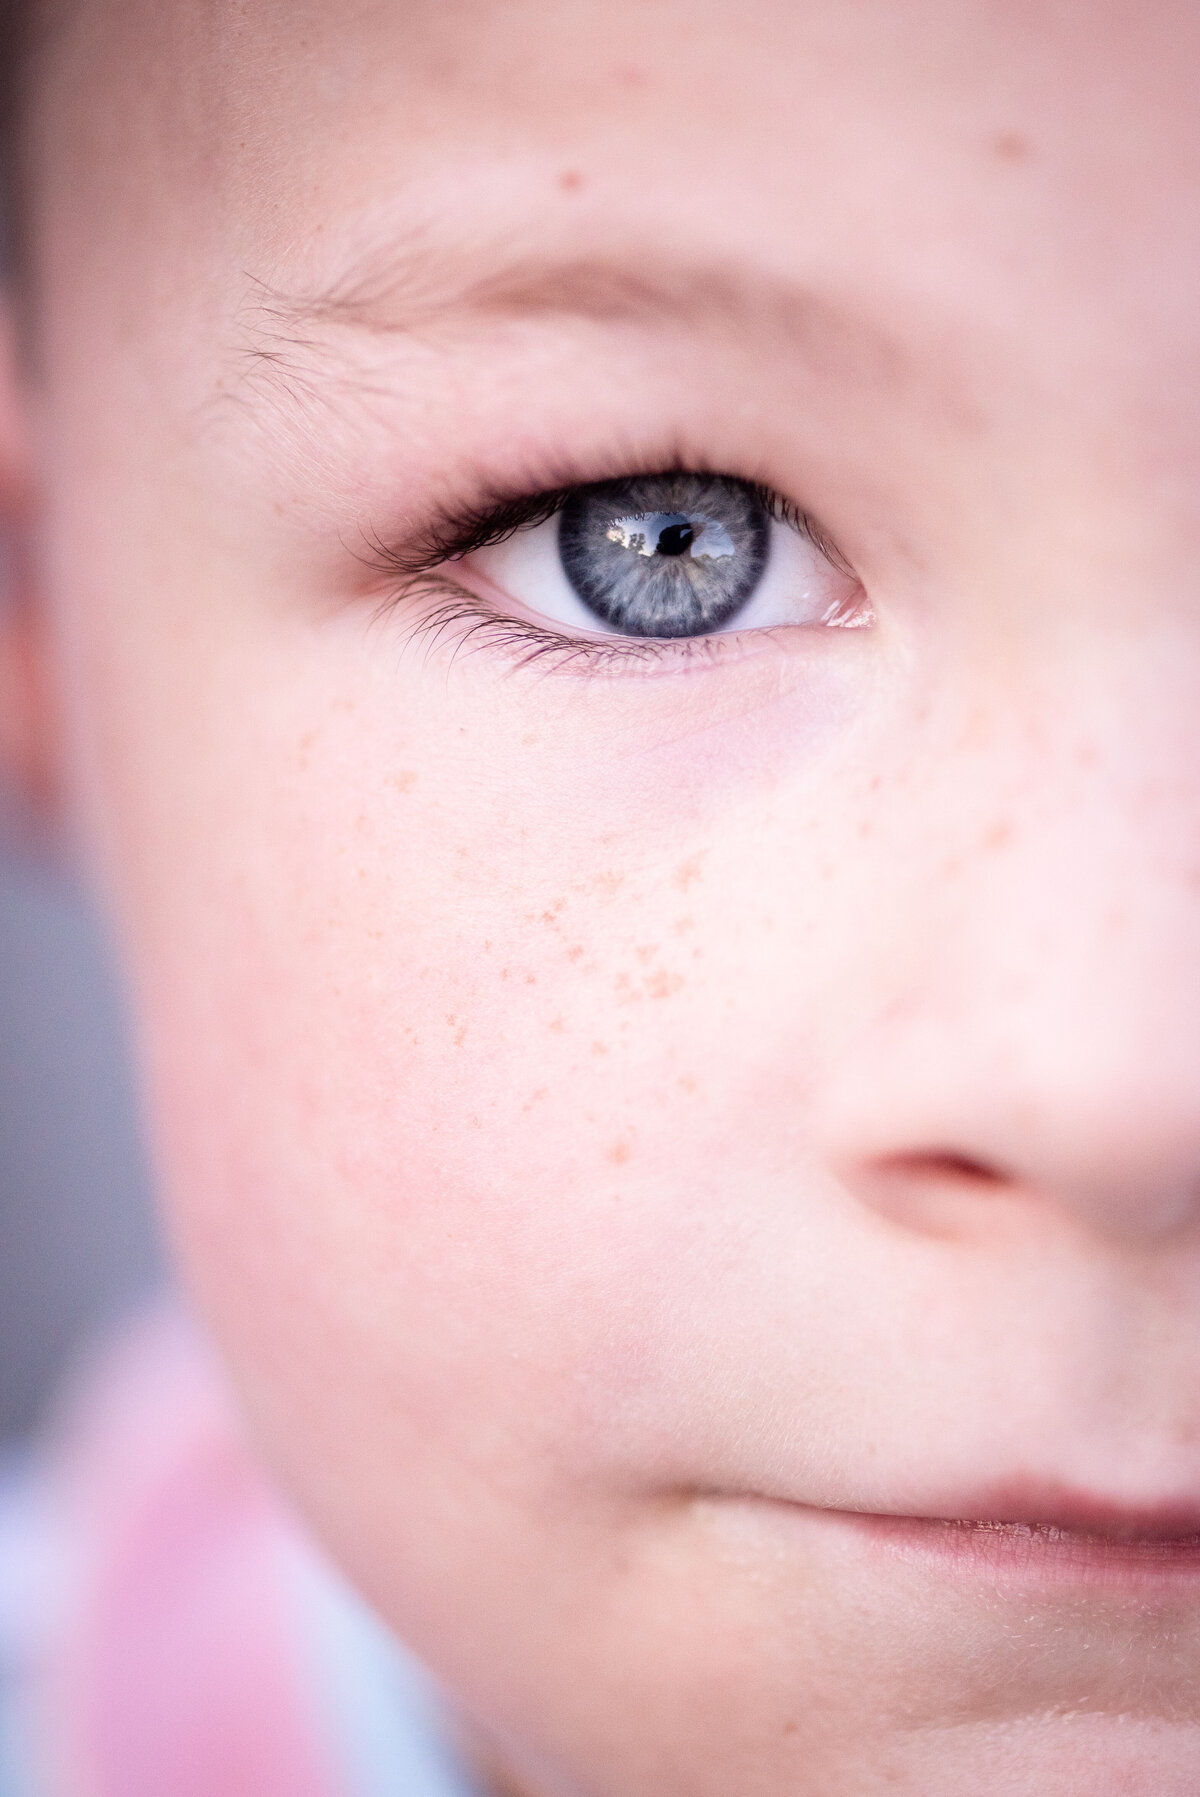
pixel 1045 1033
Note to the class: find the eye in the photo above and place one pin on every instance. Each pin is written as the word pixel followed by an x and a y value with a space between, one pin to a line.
pixel 672 555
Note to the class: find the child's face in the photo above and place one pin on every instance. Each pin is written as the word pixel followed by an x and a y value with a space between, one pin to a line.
pixel 634 1110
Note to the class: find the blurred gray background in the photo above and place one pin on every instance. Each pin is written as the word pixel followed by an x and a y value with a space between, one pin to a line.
pixel 76 1243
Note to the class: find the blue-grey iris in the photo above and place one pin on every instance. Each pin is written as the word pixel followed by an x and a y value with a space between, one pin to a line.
pixel 665 555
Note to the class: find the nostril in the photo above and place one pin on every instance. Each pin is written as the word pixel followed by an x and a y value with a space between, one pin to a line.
pixel 933 1192
pixel 941 1166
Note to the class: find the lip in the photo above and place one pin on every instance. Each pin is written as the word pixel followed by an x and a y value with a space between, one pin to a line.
pixel 1025 1553
pixel 1049 1538
pixel 1027 1541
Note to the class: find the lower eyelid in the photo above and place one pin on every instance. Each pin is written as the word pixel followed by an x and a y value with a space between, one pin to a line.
pixel 446 614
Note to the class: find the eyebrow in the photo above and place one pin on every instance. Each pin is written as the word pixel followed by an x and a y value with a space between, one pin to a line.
pixel 413 290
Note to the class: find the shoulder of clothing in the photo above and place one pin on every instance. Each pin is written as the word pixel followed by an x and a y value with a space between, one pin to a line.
pixel 166 1625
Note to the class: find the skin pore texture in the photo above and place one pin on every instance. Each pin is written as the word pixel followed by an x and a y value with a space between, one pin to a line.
pixel 629 1118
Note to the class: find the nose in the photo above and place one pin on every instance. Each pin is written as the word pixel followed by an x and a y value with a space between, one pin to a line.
pixel 1043 1044
pixel 1108 1133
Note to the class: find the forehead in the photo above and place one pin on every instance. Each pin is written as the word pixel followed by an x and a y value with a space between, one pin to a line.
pixel 920 187
pixel 820 117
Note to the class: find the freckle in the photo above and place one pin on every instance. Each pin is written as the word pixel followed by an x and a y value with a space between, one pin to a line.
pixel 599 1047
pixel 575 953
pixel 664 984
pixel 461 1037
pixel 535 1098
pixel 608 884
pixel 687 1083
pixel 556 1025
pixel 402 782
pixel 1010 146
pixel 619 1153
pixel 683 925
pixel 998 835
pixel 647 953
pixel 531 979
pixel 688 872
pixel 527 742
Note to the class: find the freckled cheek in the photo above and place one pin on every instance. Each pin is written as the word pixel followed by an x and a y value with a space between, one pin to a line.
pixel 452 1019
pixel 415 1086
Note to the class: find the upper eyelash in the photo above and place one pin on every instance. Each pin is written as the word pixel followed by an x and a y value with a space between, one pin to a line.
pixel 453 534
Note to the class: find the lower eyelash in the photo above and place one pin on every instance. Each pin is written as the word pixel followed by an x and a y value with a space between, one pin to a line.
pixel 454 614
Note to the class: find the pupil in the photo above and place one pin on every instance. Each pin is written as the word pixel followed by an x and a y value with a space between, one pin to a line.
pixel 676 539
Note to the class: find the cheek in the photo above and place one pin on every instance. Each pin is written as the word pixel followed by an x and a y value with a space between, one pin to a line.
pixel 439 1085
pixel 457 1020
pixel 372 954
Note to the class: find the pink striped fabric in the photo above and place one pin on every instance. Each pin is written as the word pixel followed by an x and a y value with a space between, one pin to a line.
pixel 174 1665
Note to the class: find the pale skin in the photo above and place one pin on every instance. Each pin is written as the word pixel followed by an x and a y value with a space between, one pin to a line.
pixel 626 1121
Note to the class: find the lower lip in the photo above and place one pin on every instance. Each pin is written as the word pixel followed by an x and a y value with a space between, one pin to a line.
pixel 1024 1554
